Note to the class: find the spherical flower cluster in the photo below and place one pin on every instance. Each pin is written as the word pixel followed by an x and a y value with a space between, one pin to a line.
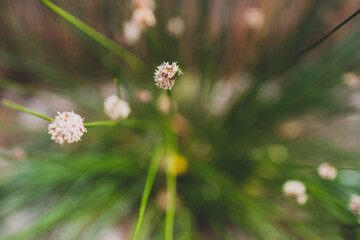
pixel 116 108
pixel 354 204
pixel 327 171
pixel 165 75
pixel 67 127
pixel 295 190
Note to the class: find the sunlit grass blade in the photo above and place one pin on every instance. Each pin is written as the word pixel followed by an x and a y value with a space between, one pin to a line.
pixel 101 124
pixel 130 123
pixel 170 209
pixel 154 165
pixel 128 57
pixel 18 107
pixel 171 151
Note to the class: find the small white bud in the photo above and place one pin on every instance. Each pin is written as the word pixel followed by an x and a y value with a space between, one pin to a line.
pixel 327 172
pixel 295 190
pixel 132 32
pixel 176 26
pixel 116 108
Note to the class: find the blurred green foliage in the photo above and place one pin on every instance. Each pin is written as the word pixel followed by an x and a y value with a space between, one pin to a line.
pixel 239 90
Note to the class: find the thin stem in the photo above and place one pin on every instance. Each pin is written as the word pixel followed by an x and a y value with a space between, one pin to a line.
pixel 153 168
pixel 130 123
pixel 171 184
pixel 117 83
pixel 101 124
pixel 288 63
pixel 322 39
pixel 18 107
pixel 171 199
pixel 131 59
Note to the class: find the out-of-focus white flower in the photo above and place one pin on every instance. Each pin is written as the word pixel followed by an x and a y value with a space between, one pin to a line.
pixel 165 75
pixel 327 171
pixel 67 127
pixel 176 26
pixel 144 17
pixel 145 4
pixel 254 18
pixel 144 95
pixel 132 32
pixel 116 108
pixel 354 204
pixel 351 80
pixel 295 190
pixel 163 103
pixel 302 199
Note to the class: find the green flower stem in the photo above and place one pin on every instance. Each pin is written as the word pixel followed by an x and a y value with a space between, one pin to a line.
pixel 171 184
pixel 131 59
pixel 101 124
pixel 131 123
pixel 15 106
pixel 153 168
pixel 171 199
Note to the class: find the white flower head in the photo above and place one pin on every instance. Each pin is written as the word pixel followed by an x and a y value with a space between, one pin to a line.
pixel 354 204
pixel 176 26
pixel 165 75
pixel 144 17
pixel 67 127
pixel 254 18
pixel 132 32
pixel 327 171
pixel 295 190
pixel 116 108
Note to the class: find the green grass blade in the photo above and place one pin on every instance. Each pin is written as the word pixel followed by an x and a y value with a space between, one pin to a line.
pixel 171 151
pixel 18 107
pixel 130 123
pixel 101 124
pixel 154 165
pixel 132 60
pixel 170 209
